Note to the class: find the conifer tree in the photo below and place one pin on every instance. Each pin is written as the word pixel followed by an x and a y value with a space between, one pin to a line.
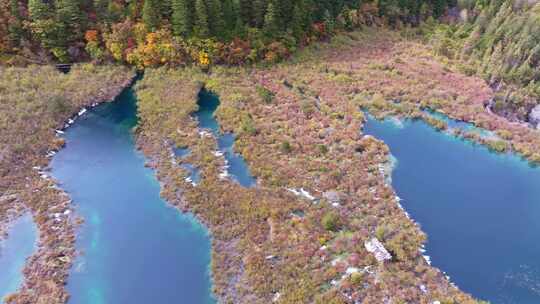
pixel 15 23
pixel 329 22
pixel 438 8
pixel 38 10
pixel 70 19
pixel 259 11
pixel 102 10
pixel 42 23
pixel 297 24
pixel 246 11
pixel 150 14
pixel 271 20
pixel 182 17
pixel 239 28
pixel 201 23
pixel 284 11
pixel 229 15
pixel 216 18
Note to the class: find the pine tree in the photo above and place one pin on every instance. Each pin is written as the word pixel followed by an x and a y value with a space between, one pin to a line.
pixel 239 28
pixel 229 15
pixel 70 18
pixel 216 18
pixel 182 18
pixel 38 10
pixel 201 23
pixel 150 14
pixel 438 7
pixel 246 11
pixel 259 11
pixel 42 23
pixel 165 8
pixel 102 10
pixel 284 12
pixel 271 20
pixel 15 28
pixel 329 22
pixel 297 24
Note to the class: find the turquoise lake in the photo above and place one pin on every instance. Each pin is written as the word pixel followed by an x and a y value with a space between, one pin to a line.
pixel 135 248
pixel 208 102
pixel 20 244
pixel 480 210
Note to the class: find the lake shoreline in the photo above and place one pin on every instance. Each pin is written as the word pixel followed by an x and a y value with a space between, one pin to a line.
pixel 46 271
pixel 214 199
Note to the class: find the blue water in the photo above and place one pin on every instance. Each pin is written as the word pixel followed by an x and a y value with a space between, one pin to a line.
pixel 238 169
pixel 194 172
pixel 135 248
pixel 480 210
pixel 14 251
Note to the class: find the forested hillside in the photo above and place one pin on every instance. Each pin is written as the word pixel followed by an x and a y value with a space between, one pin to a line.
pixel 152 32
pixel 500 41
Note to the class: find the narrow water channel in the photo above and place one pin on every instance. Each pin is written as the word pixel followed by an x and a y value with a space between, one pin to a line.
pixel 14 251
pixel 237 167
pixel 480 210
pixel 136 249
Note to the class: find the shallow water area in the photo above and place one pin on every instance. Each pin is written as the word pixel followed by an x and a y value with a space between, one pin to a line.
pixel 136 249
pixel 236 165
pixel 479 209
pixel 461 125
pixel 19 245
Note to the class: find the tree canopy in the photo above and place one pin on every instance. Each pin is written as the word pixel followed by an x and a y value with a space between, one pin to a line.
pixel 59 26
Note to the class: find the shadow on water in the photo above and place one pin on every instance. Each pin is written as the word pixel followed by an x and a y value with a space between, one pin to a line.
pixel 237 167
pixel 479 209
pixel 136 249
pixel 14 251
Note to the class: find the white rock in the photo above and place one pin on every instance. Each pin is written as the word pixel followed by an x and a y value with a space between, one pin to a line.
pixel 375 247
pixel 534 116
pixel 307 194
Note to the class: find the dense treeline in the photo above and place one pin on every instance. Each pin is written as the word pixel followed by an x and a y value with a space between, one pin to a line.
pixel 152 32
pixel 500 41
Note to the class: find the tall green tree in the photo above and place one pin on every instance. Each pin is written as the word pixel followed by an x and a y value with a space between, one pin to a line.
pixel 216 18
pixel 438 7
pixel 102 10
pixel 271 19
pixel 201 28
pixel 70 19
pixel 297 25
pixel 229 15
pixel 39 10
pixel 246 11
pixel 150 14
pixel 259 11
pixel 182 17
pixel 43 25
pixel 15 27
